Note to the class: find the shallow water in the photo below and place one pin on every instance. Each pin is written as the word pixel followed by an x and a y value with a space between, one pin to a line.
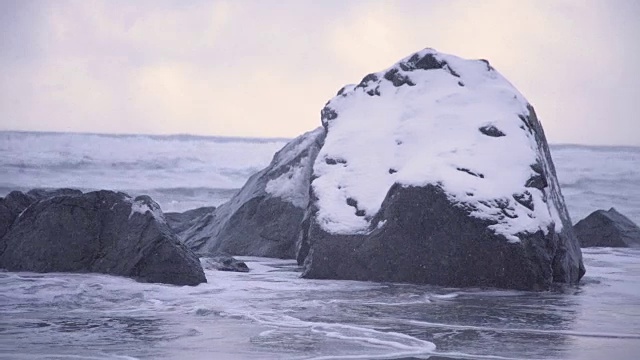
pixel 270 313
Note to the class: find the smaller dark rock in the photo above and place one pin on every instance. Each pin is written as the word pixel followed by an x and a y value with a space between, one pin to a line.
pixel 607 228
pixel 492 131
pixel 179 222
pixel 223 263
pixel 99 232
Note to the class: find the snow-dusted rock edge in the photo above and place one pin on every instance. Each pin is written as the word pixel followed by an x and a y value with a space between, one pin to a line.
pixel 437 170
pixel 264 218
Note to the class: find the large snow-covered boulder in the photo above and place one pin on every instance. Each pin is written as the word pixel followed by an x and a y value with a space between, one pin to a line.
pixel 263 218
pixel 607 228
pixel 103 232
pixel 437 171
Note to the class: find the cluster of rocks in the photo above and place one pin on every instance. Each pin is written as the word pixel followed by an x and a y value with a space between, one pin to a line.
pixel 105 232
pixel 263 218
pixel 421 233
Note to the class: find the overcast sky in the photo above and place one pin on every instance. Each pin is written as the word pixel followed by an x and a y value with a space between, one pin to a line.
pixel 265 68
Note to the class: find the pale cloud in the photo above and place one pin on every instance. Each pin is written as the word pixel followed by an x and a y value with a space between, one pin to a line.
pixel 266 68
pixel 372 37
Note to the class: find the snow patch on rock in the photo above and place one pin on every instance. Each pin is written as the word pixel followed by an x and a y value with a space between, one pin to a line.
pixel 291 186
pixel 450 122
pixel 142 205
pixel 282 186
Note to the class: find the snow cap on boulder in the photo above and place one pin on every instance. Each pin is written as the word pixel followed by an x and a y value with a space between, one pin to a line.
pixel 432 119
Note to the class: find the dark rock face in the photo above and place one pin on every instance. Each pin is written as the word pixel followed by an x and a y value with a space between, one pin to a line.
pixel 10 207
pixel 427 233
pixel 102 232
pixel 16 201
pixel 427 240
pixel 264 218
pixel 608 229
pixel 224 263
pixel 567 262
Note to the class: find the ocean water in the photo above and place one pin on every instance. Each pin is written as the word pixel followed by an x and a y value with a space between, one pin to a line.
pixel 270 313
pixel 180 172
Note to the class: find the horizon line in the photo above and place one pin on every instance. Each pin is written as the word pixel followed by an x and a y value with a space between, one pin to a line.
pixel 251 138
pixel 174 135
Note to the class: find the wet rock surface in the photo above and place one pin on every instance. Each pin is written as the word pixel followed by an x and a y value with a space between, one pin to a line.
pixel 103 232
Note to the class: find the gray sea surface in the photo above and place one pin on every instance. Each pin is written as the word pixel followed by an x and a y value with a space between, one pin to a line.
pixel 270 313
